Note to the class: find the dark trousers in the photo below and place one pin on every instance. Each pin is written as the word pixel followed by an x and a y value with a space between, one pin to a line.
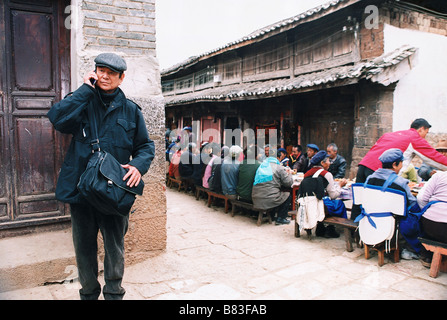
pixel 362 174
pixel 282 211
pixel 86 222
pixel 434 230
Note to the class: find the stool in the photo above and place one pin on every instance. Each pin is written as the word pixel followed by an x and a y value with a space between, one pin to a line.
pixel 439 260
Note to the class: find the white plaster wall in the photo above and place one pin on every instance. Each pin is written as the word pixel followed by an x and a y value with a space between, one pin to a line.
pixel 422 93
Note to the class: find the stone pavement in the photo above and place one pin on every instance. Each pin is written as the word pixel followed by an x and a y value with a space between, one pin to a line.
pixel 212 256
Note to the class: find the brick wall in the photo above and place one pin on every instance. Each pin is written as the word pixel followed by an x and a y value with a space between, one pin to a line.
pixel 403 18
pixel 371 41
pixel 125 25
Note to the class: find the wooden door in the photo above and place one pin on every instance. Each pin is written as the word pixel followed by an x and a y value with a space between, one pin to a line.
pixel 35 74
pixel 210 130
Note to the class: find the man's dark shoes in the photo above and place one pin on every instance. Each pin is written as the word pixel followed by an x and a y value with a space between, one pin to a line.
pixel 281 221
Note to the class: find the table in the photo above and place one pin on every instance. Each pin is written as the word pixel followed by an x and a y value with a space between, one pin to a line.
pixel 295 189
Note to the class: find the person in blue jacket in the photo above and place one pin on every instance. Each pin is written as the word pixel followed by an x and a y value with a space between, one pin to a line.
pixel 122 132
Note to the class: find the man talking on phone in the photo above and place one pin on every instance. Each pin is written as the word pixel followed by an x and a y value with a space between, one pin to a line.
pixel 122 132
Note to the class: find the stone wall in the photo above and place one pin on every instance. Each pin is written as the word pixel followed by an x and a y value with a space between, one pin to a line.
pixel 374 117
pixel 127 28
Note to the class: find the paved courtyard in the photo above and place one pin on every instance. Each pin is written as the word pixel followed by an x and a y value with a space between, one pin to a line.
pixel 211 255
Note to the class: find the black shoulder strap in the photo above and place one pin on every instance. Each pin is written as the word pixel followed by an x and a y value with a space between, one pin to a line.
pixel 94 143
pixel 68 94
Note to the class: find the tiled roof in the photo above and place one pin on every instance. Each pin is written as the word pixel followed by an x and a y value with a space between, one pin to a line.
pixel 260 32
pixel 263 89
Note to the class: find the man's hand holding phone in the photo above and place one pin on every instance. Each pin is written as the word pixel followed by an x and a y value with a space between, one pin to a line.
pixel 91 78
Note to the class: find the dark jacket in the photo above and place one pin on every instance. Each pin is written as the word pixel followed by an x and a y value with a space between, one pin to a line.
pixel 246 177
pixel 186 165
pixel 299 164
pixel 338 167
pixel 121 129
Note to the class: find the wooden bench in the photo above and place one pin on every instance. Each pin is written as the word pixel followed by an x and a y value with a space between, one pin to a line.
pixel 246 205
pixel 178 182
pixel 213 195
pixel 439 260
pixel 347 225
pixel 199 191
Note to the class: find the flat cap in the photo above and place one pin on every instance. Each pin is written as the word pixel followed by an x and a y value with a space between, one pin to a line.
pixel 111 61
pixel 391 155
pixel 318 157
pixel 282 150
pixel 313 146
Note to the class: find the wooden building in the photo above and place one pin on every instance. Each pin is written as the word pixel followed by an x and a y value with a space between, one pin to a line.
pixel 330 74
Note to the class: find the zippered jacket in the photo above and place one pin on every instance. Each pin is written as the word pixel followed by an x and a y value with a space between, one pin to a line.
pixel 121 131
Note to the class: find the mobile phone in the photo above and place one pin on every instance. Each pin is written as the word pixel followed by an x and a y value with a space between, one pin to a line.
pixel 92 80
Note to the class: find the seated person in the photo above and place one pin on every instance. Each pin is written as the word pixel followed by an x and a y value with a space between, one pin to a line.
pixel 338 163
pixel 268 188
pixel 426 171
pixel 174 165
pixel 312 149
pixel 199 165
pixel 434 217
pixel 392 161
pixel 409 173
pixel 282 157
pixel 230 172
pixel 317 182
pixel 298 159
pixel 246 178
pixel 186 167
pixel 214 181
pixel 263 154
pixel 172 148
pixel 213 148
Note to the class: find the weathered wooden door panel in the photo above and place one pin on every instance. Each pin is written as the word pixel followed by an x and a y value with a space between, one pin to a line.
pixel 33 61
pixel 36 60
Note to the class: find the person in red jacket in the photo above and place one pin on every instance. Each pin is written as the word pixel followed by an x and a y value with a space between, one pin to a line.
pixel 411 142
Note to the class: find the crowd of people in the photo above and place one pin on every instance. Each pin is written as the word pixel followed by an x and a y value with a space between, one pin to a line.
pixel 264 177
pixel 260 176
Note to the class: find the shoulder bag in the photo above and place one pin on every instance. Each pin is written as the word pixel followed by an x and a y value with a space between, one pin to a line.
pixel 101 184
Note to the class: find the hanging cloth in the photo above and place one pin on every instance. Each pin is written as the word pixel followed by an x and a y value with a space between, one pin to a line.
pixel 311 209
